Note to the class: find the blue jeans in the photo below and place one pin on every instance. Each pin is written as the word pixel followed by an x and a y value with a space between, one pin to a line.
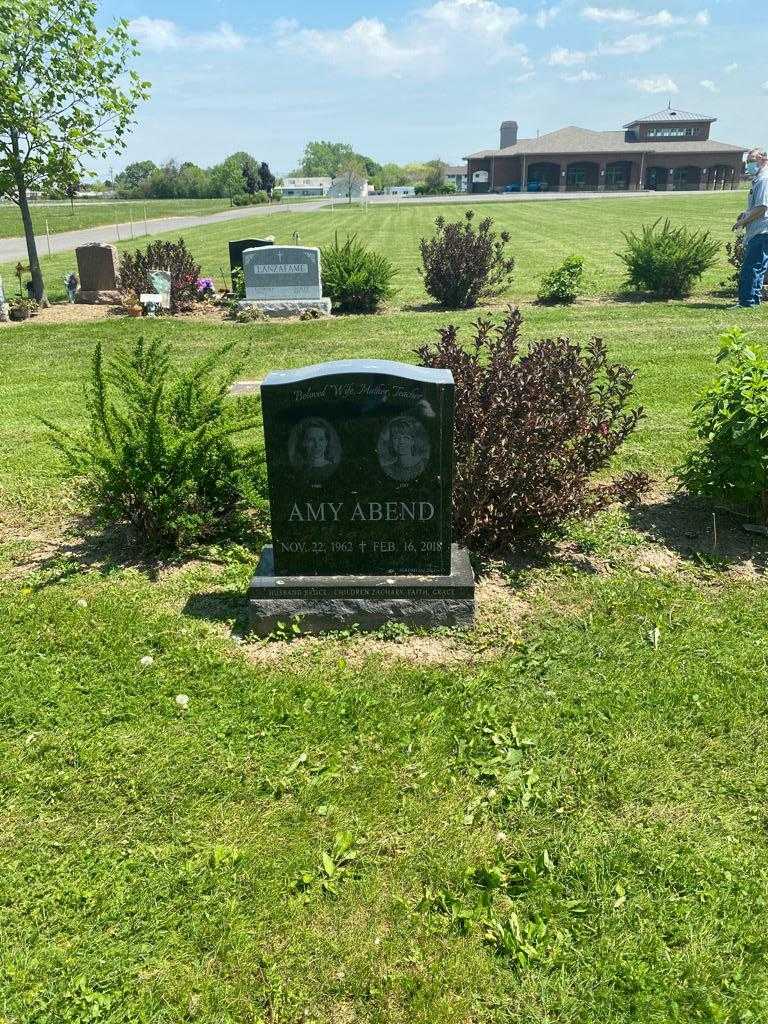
pixel 753 270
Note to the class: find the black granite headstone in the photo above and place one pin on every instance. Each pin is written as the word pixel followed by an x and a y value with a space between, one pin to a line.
pixel 237 248
pixel 360 461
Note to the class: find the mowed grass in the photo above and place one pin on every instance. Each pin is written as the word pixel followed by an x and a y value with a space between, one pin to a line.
pixel 570 832
pixel 542 235
pixel 62 217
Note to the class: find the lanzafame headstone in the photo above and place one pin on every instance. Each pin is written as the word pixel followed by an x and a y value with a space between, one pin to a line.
pixel 284 280
pixel 360 469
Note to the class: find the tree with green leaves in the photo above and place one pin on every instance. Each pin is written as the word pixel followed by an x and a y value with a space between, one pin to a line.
pixel 67 95
pixel 323 159
pixel 234 174
pixel 135 175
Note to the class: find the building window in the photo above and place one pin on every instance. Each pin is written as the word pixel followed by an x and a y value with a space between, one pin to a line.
pixel 671 133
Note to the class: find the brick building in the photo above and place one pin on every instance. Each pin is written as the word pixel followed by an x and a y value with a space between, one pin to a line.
pixel 671 149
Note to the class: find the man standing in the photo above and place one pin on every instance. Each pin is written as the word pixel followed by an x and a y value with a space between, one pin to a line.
pixel 754 221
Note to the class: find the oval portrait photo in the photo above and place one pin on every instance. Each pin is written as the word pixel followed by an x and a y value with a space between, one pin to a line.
pixel 314 448
pixel 403 448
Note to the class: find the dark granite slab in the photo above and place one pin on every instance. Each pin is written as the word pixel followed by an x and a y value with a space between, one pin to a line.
pixel 360 467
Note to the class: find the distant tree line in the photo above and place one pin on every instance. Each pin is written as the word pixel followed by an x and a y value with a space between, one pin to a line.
pixel 324 159
pixel 239 175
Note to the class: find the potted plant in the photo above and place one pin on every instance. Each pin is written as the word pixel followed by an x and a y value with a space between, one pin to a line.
pixel 131 304
pixel 21 309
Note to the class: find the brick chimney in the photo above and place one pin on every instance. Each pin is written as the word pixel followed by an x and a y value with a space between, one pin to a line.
pixel 508 134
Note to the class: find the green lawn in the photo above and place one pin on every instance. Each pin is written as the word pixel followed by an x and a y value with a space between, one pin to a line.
pixel 61 216
pixel 160 865
pixel 542 234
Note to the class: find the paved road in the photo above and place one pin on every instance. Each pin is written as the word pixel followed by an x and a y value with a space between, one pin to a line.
pixel 12 249
pixel 16 248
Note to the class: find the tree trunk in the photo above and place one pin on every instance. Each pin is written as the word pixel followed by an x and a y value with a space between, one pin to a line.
pixel 38 286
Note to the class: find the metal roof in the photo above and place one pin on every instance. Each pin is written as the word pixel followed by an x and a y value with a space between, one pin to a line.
pixel 671 114
pixel 583 140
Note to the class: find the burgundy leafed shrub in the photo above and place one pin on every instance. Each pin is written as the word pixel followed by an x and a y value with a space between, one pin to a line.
pixel 171 256
pixel 462 264
pixel 532 428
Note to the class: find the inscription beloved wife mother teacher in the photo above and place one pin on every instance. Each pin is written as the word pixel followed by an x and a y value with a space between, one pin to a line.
pixel 359 459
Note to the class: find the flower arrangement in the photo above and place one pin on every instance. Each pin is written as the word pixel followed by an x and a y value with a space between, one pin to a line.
pixel 205 288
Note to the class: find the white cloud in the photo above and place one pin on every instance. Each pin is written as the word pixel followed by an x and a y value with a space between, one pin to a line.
pixel 484 17
pixel 634 44
pixel 525 77
pixel 545 16
pixel 663 83
pixel 562 57
pixel 582 76
pixel 709 85
pixel 436 38
pixel 730 68
pixel 630 16
pixel 160 34
pixel 765 86
pixel 365 46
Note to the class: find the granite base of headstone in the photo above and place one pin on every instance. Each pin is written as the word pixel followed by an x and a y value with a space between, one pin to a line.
pixel 323 603
pixel 283 281
pixel 97 269
pixel 360 472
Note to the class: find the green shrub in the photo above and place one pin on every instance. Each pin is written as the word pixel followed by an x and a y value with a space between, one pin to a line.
pixel 730 462
pixel 159 454
pixel 667 261
pixel 355 279
pixel 564 283
pixel 461 264
pixel 171 256
pixel 241 199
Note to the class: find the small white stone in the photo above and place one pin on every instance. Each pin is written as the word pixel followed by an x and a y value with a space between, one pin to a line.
pixel 82 603
pixel 147 661
pixel 182 700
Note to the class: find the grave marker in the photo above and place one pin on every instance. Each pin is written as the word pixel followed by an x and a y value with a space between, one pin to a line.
pixel 360 469
pixel 284 279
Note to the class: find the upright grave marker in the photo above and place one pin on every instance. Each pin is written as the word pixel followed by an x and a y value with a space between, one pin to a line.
pixel 160 284
pixel 97 268
pixel 360 468
pixel 284 280
pixel 238 247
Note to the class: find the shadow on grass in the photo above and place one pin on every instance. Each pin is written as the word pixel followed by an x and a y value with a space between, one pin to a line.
pixel 698 532
pixel 88 547
pixel 228 607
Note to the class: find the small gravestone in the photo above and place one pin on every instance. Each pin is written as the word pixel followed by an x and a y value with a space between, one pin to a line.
pixel 284 280
pixel 360 469
pixel 97 268
pixel 160 283
pixel 238 247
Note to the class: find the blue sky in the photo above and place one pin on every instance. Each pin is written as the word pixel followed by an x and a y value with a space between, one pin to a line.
pixel 407 81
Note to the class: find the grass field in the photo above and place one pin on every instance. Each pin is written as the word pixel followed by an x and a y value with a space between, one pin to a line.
pixel 61 216
pixel 542 234
pixel 559 818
